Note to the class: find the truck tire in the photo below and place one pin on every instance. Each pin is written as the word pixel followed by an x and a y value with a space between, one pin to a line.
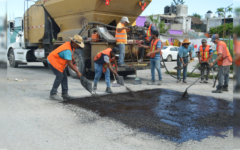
pixel 80 62
pixel 11 59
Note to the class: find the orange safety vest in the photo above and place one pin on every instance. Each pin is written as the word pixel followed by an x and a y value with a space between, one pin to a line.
pixel 220 62
pixel 237 45
pixel 55 60
pixel 121 36
pixel 204 54
pixel 106 52
pixel 154 48
pixel 149 32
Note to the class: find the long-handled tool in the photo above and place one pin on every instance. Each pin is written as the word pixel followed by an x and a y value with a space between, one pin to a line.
pixel 185 93
pixel 180 67
pixel 120 80
pixel 115 84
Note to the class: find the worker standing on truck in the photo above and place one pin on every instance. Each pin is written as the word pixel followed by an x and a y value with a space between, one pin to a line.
pixel 205 54
pixel 224 61
pixel 121 38
pixel 102 64
pixel 154 54
pixel 182 59
pixel 237 63
pixel 58 60
pixel 147 38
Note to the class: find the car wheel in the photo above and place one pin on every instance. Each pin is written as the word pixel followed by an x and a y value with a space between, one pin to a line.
pixel 169 58
pixel 45 64
pixel 80 63
pixel 11 59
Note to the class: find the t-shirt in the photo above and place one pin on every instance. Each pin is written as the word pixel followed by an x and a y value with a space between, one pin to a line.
pixel 226 61
pixel 119 25
pixel 183 52
pixel 67 55
pixel 157 56
pixel 103 59
pixel 237 48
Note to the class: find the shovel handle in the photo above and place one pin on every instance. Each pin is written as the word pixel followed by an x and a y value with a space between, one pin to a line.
pixel 114 76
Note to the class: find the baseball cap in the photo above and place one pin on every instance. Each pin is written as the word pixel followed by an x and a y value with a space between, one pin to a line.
pixel 214 37
pixel 115 50
pixel 125 19
pixel 155 32
pixel 204 41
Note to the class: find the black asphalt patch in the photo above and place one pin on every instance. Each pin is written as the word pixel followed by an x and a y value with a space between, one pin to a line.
pixel 164 113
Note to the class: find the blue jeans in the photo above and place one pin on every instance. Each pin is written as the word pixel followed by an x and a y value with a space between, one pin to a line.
pixel 179 64
pixel 155 63
pixel 61 78
pixel 121 54
pixel 98 74
pixel 223 76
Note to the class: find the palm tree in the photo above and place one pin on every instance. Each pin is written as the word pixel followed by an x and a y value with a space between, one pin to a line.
pixel 197 15
pixel 220 11
pixel 178 2
pixel 230 10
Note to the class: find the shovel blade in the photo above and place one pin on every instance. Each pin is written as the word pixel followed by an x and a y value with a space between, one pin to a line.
pixel 86 84
pixel 178 68
pixel 120 80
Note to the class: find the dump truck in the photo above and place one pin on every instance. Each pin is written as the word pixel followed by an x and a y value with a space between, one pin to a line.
pixel 49 23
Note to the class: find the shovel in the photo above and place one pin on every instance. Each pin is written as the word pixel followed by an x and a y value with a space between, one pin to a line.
pixel 180 67
pixel 115 84
pixel 120 81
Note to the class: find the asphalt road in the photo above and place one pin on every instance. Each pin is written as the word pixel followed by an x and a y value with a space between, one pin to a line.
pixel 36 122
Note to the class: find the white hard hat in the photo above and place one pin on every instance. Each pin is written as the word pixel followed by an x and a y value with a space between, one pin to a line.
pixel 125 19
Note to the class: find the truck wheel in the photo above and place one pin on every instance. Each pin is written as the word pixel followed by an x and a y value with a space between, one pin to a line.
pixel 45 64
pixel 79 58
pixel 11 59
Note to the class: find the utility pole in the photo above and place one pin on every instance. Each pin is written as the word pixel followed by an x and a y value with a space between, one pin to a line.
pixel 224 20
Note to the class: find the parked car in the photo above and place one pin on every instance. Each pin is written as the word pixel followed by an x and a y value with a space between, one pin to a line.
pixel 170 53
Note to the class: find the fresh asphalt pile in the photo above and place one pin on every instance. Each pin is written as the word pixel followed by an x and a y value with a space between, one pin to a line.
pixel 163 113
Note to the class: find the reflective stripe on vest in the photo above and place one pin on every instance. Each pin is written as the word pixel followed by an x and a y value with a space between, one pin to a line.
pixel 204 54
pixel 153 47
pixel 55 60
pixel 106 52
pixel 149 32
pixel 237 46
pixel 121 36
pixel 229 57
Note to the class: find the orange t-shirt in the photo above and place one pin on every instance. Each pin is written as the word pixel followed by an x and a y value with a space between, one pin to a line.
pixel 226 61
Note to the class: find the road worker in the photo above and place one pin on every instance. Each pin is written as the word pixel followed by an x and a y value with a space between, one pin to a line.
pixel 147 38
pixel 102 64
pixel 205 54
pixel 154 54
pixel 237 63
pixel 182 59
pixel 121 38
pixel 224 61
pixel 58 60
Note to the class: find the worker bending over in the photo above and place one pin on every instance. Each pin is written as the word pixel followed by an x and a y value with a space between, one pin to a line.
pixel 205 54
pixel 102 64
pixel 182 59
pixel 224 61
pixel 237 63
pixel 147 38
pixel 154 54
pixel 121 38
pixel 58 60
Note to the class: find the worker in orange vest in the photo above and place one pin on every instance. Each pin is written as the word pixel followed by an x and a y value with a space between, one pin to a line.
pixel 121 38
pixel 236 61
pixel 58 60
pixel 205 54
pixel 147 38
pixel 102 64
pixel 224 61
pixel 154 54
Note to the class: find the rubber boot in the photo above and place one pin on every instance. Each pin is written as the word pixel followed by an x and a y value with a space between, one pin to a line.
pixel 67 97
pixel 179 80
pixel 94 87
pixel 151 83
pixel 184 81
pixel 109 90
pixel 218 90
pixel 225 88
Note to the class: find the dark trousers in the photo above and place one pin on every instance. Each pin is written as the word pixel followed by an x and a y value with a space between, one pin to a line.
pixel 142 50
pixel 61 78
pixel 205 66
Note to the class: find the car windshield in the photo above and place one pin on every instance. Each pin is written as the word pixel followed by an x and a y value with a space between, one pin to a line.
pixel 164 47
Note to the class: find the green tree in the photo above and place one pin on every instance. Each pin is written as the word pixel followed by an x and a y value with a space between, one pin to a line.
pixel 229 10
pixel 160 24
pixel 219 30
pixel 178 2
pixel 220 11
pixel 197 15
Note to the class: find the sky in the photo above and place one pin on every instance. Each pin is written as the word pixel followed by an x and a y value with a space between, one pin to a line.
pixel 15 8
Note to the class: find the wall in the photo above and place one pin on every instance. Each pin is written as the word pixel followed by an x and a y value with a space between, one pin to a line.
pixel 186 23
pixel 175 26
pixel 140 21
pixel 213 22
pixel 182 10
